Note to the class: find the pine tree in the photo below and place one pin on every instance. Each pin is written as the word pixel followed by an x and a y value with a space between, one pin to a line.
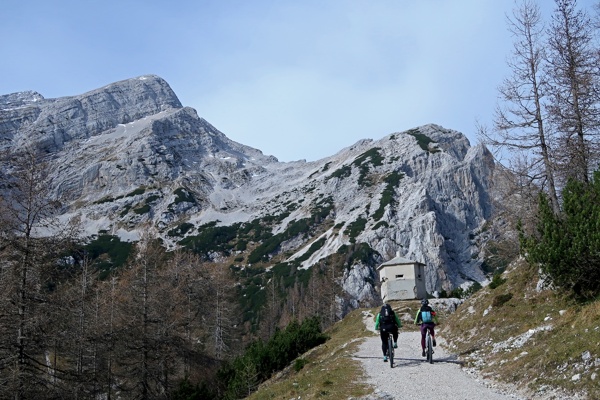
pixel 567 247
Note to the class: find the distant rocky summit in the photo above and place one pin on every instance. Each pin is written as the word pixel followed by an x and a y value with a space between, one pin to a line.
pixel 129 154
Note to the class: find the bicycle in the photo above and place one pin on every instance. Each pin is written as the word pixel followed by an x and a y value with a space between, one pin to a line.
pixel 429 347
pixel 390 349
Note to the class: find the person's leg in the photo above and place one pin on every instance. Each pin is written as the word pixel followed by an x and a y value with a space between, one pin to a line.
pixel 383 336
pixel 423 333
pixel 395 335
pixel 432 331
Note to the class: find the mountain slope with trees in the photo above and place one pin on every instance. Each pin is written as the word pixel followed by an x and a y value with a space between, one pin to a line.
pixel 141 248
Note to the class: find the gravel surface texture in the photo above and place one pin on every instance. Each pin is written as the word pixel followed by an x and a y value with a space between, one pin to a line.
pixel 414 378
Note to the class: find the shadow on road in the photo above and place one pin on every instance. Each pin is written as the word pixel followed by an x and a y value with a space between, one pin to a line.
pixel 417 361
pixel 452 359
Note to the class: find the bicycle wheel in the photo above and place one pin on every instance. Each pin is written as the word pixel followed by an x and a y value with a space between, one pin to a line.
pixel 429 349
pixel 391 350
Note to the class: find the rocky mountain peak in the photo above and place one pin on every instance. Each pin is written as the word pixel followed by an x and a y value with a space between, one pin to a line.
pixel 129 154
pixel 50 123
pixel 19 99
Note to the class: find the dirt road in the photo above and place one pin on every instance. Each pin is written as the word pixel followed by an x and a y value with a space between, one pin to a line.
pixel 414 378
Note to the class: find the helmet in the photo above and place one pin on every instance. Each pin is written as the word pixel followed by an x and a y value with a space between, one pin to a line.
pixel 424 302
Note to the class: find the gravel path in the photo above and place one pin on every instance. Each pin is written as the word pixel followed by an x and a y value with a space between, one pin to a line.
pixel 414 378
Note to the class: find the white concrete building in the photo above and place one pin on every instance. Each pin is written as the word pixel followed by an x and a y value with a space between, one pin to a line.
pixel 402 279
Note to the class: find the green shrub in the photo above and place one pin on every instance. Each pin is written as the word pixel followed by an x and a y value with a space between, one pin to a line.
pixel 241 245
pixel 107 199
pixel 341 173
pixel 422 140
pixel 182 195
pixel 322 209
pixel 567 246
pixel 497 280
pixel 387 197
pixel 316 245
pixel 500 300
pixel 361 253
pixel 261 253
pixel 296 228
pixel 458 293
pixel 211 238
pixel 299 363
pixel 373 154
pixel 188 391
pixel 267 358
pixel 136 192
pixel 142 210
pixel 152 198
pixel 356 227
pixel 181 229
pixel 125 210
pixel 343 249
pixel 108 252
pixel 476 286
pixel 375 159
pixel 461 293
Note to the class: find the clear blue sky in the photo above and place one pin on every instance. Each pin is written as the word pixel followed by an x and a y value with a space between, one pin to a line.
pixel 295 79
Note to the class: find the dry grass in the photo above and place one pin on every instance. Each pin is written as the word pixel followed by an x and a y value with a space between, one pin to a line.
pixel 538 340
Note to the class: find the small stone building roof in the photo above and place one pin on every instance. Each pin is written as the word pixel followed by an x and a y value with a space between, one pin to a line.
pixel 398 261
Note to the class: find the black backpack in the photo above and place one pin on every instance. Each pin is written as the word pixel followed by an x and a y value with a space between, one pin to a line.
pixel 386 315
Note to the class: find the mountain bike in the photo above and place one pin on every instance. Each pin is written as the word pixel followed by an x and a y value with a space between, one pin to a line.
pixel 429 347
pixel 390 351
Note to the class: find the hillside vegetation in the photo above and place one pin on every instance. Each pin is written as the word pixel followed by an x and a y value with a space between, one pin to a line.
pixel 328 371
pixel 514 332
pixel 523 334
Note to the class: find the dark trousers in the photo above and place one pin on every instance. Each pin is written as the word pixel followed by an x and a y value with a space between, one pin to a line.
pixel 424 328
pixel 383 333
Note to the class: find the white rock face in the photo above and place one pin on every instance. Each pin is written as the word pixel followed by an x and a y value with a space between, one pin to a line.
pixel 130 153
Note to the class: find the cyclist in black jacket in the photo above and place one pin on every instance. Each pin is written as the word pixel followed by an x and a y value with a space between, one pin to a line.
pixel 387 321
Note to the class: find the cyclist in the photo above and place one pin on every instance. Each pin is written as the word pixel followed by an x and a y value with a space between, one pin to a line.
pixel 427 318
pixel 387 322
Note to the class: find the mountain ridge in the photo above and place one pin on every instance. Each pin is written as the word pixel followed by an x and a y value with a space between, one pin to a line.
pixel 129 154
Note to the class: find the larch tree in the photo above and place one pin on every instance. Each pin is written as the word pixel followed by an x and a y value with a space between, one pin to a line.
pixel 108 331
pixel 573 62
pixel 520 126
pixel 188 284
pixel 138 320
pixel 220 311
pixel 76 306
pixel 28 241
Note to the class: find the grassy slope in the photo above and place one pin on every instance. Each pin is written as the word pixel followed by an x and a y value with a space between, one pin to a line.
pixel 330 371
pixel 506 345
pixel 537 340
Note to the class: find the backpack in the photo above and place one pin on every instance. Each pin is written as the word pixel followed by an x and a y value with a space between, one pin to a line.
pixel 426 317
pixel 386 315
